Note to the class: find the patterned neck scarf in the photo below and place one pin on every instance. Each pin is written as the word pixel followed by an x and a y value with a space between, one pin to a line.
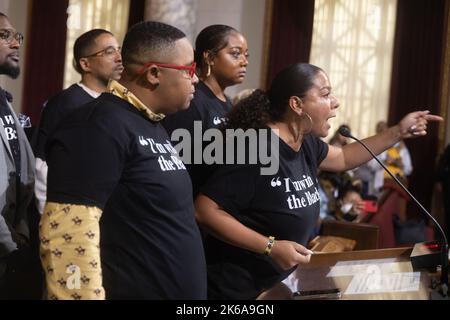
pixel 120 91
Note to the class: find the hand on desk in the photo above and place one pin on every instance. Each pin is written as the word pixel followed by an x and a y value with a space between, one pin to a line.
pixel 288 254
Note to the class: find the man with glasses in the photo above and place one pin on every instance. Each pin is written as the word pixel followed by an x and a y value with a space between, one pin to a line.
pixel 97 59
pixel 113 159
pixel 16 175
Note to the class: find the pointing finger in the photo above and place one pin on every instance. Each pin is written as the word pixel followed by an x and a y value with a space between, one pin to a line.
pixel 432 117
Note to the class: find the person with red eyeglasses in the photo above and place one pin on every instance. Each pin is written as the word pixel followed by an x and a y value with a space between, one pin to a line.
pixel 221 54
pixel 112 159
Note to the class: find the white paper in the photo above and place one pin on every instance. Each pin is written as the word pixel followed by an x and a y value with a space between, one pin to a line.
pixel 351 268
pixel 292 282
pixel 380 283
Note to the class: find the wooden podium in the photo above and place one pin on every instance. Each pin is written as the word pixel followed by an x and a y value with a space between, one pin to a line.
pixel 314 276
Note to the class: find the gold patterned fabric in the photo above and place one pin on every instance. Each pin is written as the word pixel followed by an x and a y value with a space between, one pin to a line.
pixel 70 236
pixel 120 91
pixel 70 254
pixel 394 162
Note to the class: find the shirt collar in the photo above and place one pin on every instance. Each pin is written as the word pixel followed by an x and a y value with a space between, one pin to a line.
pixel 120 91
pixel 94 94
pixel 8 96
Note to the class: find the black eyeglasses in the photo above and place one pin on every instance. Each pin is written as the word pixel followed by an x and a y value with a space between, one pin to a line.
pixel 107 52
pixel 9 35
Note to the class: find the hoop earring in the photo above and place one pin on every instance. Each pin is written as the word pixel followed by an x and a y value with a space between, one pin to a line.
pixel 208 72
pixel 305 132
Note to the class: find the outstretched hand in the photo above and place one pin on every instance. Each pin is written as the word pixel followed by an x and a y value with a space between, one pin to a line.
pixel 414 124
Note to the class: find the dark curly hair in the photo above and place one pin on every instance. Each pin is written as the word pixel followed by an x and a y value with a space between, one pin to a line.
pixel 250 112
pixel 260 107
pixel 148 38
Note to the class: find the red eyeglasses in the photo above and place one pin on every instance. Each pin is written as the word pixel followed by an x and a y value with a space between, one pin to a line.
pixel 190 69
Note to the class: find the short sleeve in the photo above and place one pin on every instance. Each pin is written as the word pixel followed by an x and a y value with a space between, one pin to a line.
pixel 50 117
pixel 85 164
pixel 232 187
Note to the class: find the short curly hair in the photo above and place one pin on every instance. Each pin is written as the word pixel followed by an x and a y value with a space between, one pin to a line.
pixel 261 107
pixel 149 38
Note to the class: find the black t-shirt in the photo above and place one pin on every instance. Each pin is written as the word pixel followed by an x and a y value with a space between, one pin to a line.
pixel 284 205
pixel 211 111
pixel 9 126
pixel 109 155
pixel 56 109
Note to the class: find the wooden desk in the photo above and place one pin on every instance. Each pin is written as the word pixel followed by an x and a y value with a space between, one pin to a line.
pixel 314 276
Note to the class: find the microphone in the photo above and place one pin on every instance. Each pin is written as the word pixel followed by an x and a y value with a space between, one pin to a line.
pixel 444 250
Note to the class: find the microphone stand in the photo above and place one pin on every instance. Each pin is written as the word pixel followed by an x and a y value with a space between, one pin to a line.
pixel 444 250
